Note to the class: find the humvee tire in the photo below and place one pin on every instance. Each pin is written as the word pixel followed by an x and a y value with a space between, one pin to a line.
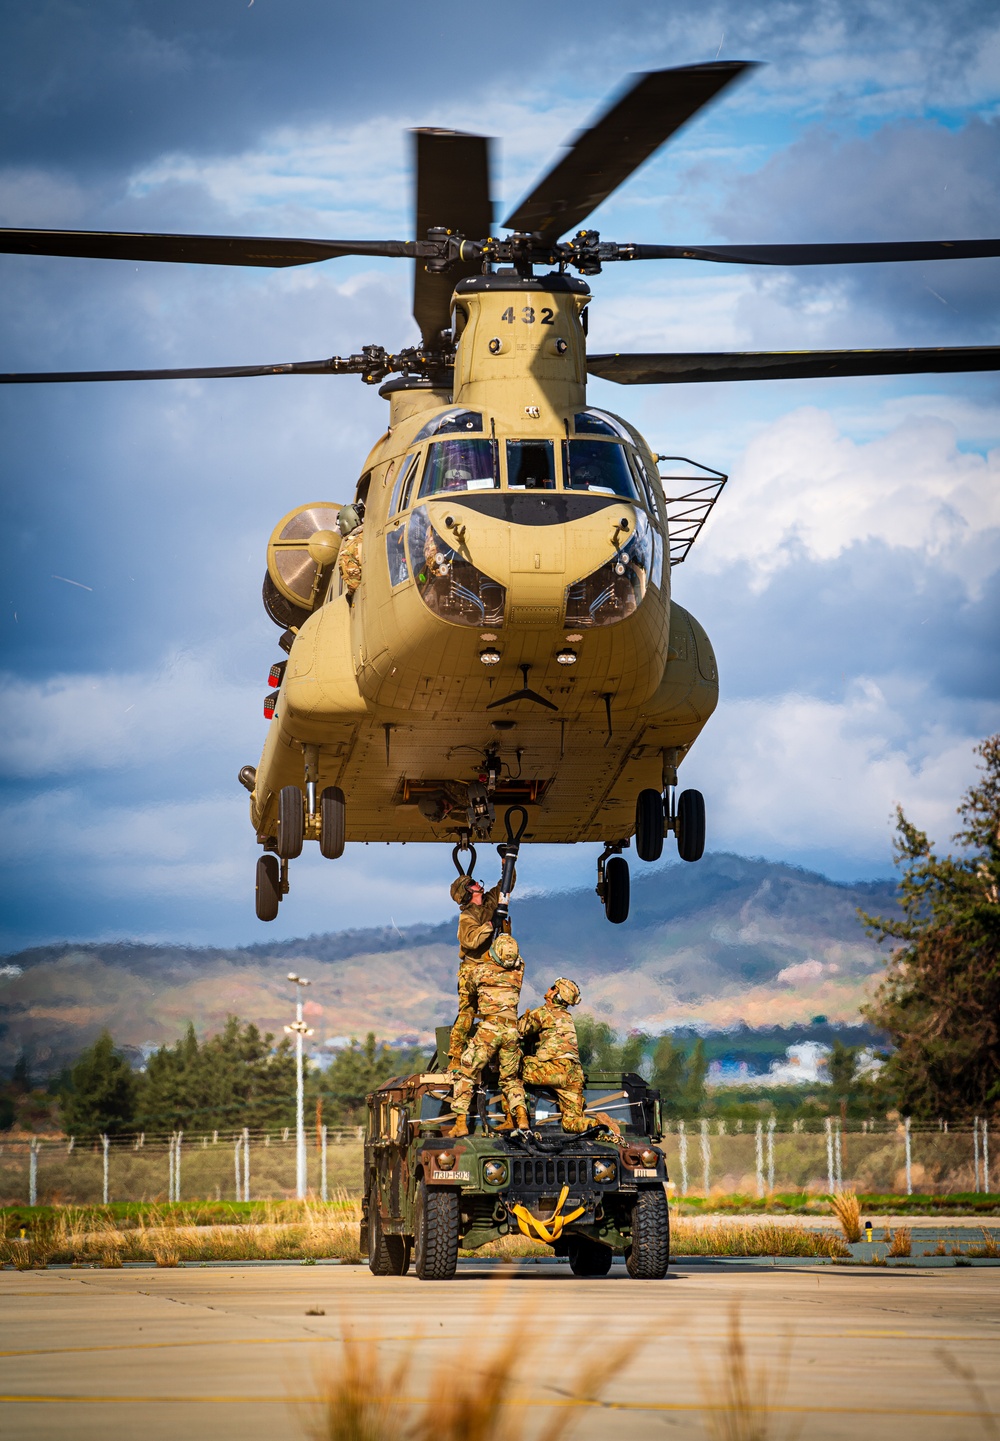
pixel 387 1255
pixel 648 1256
pixel 435 1244
pixel 587 1257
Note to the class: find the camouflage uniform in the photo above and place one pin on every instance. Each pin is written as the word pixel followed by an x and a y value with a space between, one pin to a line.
pixel 475 936
pixel 497 979
pixel 556 1060
pixel 349 561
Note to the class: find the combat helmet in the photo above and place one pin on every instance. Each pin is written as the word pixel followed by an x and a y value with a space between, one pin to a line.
pixel 349 517
pixel 505 952
pixel 566 991
pixel 460 888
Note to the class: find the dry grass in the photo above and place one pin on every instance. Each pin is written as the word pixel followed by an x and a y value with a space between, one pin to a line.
pixel 740 1396
pixel 847 1209
pixel 902 1241
pixel 730 1238
pixel 77 1237
pixel 476 1394
pixel 514 1247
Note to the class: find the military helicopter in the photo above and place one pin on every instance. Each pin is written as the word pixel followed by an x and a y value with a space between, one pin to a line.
pixel 513 640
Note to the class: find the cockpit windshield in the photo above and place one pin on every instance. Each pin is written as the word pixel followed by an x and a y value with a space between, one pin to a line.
pixel 454 465
pixel 451 422
pixel 600 467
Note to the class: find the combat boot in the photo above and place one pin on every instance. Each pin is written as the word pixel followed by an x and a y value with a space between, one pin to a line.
pixel 460 1128
pixel 521 1121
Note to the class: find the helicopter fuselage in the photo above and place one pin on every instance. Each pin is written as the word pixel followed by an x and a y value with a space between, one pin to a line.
pixel 514 602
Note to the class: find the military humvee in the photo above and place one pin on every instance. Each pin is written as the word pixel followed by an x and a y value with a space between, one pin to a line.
pixel 590 1196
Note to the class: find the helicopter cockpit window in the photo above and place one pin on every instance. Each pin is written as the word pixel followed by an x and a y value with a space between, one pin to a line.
pixel 452 422
pixel 402 487
pixel 459 465
pixel 531 465
pixel 599 467
pixel 595 422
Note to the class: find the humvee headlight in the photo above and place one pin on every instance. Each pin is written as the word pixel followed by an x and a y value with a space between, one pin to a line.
pixel 446 1160
pixel 604 1170
pixel 649 1158
pixel 495 1172
pixel 490 656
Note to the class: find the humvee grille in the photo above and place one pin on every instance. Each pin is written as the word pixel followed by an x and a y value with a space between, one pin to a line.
pixel 549 1171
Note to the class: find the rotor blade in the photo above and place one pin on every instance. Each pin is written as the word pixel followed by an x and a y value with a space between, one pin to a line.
pixel 850 253
pixel 453 191
pixel 683 368
pixel 333 366
pixel 655 105
pixel 192 249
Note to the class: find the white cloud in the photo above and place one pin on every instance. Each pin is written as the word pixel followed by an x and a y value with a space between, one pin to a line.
pixel 107 721
pixel 805 487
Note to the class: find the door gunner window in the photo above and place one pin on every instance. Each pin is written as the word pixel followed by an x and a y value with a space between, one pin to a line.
pixel 459 465
pixel 599 466
pixel 531 465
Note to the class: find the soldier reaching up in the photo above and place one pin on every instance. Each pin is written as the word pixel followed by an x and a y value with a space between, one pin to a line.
pixel 475 936
pixel 556 1060
pixel 497 979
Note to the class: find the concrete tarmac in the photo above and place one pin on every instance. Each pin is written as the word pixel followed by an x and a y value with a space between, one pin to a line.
pixel 227 1351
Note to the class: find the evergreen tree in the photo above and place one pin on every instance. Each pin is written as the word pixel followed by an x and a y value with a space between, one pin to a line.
pixel 694 1082
pixel 841 1066
pixel 20 1079
pixel 670 1074
pixel 597 1043
pixel 356 1071
pixel 234 1079
pixel 940 999
pixel 102 1094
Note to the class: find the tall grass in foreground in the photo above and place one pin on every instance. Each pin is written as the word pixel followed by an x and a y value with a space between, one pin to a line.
pixel 765 1238
pixel 740 1396
pixel 477 1394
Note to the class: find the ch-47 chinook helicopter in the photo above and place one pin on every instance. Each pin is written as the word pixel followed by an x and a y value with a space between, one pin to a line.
pixel 513 640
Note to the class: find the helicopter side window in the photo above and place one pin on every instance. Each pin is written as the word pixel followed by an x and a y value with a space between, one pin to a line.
pixel 595 422
pixel 531 465
pixel 403 484
pixel 596 466
pixel 459 465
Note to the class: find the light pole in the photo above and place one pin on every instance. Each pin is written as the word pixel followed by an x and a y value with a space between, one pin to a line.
pixel 300 1029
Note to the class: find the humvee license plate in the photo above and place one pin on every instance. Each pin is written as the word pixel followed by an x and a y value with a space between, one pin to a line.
pixel 644 1171
pixel 452 1176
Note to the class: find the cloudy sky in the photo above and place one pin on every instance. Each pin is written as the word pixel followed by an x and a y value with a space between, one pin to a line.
pixel 849 580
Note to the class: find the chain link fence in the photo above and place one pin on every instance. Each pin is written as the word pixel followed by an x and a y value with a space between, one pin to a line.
pixel 703 1158
pixel 219 1166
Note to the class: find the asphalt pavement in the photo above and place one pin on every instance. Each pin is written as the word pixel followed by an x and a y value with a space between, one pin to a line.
pixel 227 1351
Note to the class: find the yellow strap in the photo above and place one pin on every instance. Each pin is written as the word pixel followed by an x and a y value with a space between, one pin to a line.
pixel 550 1229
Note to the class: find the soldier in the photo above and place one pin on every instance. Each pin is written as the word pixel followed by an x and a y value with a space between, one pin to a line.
pixel 349 523
pixel 497 979
pixel 475 936
pixel 556 1061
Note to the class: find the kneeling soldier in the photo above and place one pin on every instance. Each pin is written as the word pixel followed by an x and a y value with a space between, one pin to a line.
pixel 498 988
pixel 556 1061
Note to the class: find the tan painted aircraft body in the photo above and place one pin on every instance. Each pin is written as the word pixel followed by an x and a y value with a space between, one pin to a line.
pixel 392 690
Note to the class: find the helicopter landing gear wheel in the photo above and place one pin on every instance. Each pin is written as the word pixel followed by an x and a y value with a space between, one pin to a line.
pixel 268 888
pixel 332 823
pixel 291 823
pixel 616 890
pixel 690 825
pixel 649 825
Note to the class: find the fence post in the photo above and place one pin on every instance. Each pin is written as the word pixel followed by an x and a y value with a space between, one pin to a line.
pixel 975 1154
pixel 177 1167
pixel 104 1144
pixel 770 1153
pixel 986 1155
pixel 838 1155
pixel 760 1157
pixel 236 1164
pixel 33 1172
pixel 682 1143
pixel 909 1159
pixel 246 1164
pixel 170 1168
pixel 322 1164
pixel 706 1156
pixel 828 1128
